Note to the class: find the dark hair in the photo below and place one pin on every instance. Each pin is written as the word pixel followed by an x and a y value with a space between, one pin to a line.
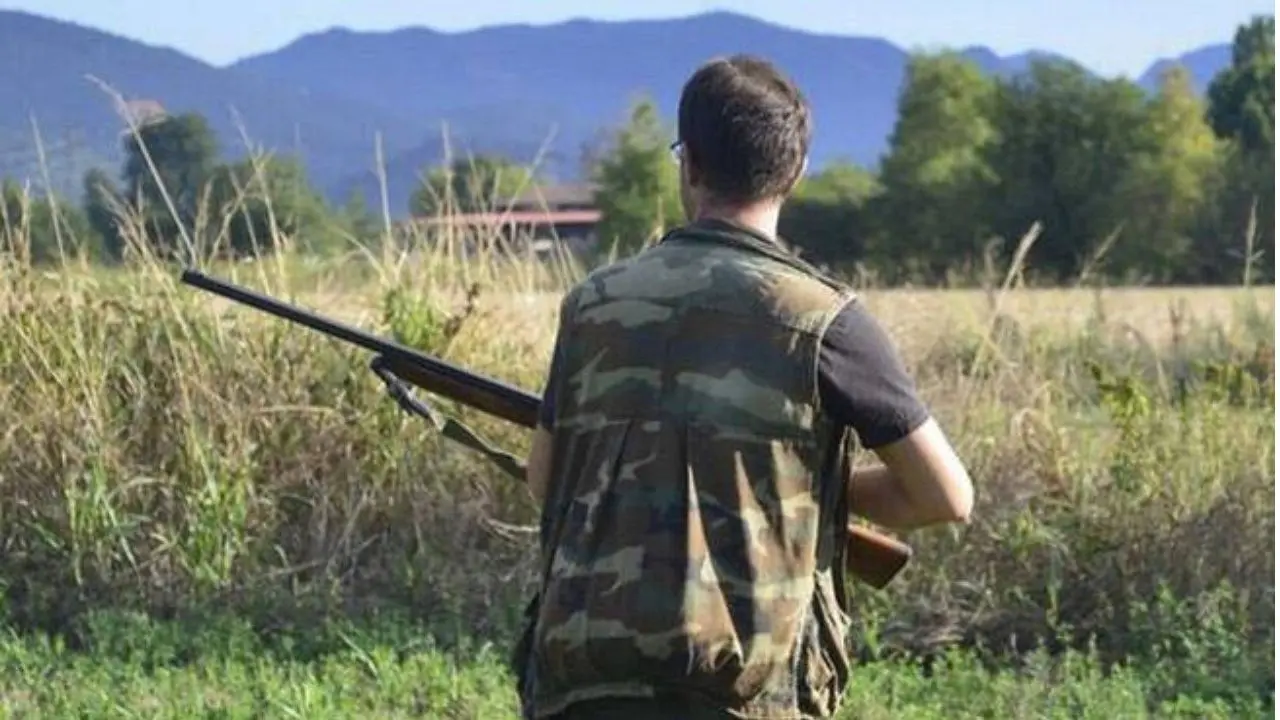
pixel 745 128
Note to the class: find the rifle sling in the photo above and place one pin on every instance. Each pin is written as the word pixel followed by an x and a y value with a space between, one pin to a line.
pixel 451 428
pixel 457 431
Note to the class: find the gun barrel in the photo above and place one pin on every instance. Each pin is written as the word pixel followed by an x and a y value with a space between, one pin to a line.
pixel 508 402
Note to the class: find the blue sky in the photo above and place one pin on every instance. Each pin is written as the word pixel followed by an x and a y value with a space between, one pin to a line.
pixel 1109 36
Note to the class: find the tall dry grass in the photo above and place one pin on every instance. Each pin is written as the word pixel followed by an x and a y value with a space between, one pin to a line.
pixel 165 451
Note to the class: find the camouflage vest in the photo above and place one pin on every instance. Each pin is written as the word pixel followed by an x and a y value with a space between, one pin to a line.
pixel 694 516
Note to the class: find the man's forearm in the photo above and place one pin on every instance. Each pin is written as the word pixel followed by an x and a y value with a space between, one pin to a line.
pixel 877 496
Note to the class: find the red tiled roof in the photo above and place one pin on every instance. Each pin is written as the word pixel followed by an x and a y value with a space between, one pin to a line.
pixel 558 194
pixel 518 217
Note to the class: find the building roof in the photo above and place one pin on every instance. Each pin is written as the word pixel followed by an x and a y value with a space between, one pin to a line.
pixel 553 195
pixel 518 217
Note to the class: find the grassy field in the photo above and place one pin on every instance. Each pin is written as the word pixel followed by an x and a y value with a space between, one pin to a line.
pixel 133 667
pixel 207 513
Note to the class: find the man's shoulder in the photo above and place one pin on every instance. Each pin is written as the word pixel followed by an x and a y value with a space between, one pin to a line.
pixel 591 284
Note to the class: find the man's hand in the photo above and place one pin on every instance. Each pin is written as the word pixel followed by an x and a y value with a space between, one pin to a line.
pixel 921 483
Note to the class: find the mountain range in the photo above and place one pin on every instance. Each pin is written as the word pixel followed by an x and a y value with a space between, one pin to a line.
pixel 340 98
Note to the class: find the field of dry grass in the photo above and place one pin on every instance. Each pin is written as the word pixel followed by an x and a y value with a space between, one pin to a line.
pixel 517 299
pixel 170 454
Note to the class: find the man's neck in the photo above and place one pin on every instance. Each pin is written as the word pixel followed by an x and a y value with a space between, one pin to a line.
pixel 761 218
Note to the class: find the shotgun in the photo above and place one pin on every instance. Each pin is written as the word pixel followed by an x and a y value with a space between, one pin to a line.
pixel 870 556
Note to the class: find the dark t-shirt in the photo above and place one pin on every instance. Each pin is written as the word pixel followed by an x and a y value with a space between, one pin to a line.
pixel 862 382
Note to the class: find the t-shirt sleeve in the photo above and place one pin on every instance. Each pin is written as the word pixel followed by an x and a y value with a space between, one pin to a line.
pixel 863 383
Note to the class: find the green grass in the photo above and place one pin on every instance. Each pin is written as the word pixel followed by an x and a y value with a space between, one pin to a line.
pixel 132 667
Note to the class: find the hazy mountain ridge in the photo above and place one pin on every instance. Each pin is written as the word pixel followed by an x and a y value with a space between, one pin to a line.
pixel 502 88
pixel 1202 64
pixel 53 88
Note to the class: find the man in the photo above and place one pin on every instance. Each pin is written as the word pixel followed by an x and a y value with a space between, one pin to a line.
pixel 690 463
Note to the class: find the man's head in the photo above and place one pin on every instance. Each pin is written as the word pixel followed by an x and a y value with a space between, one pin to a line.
pixel 744 135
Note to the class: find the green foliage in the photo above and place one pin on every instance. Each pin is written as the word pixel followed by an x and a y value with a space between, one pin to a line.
pixel 103 206
pixel 1195 657
pixel 1242 99
pixel 169 455
pixel 223 667
pixel 214 665
pixel 478 184
pixel 201 454
pixel 417 322
pixel 638 184
pixel 1136 453
pixel 1066 140
pixel 1169 186
pixel 1127 186
pixel 168 165
pixel 238 209
pixel 937 170
pixel 1242 109
pixel 826 217
pixel 43 230
pixel 359 221
pixel 265 201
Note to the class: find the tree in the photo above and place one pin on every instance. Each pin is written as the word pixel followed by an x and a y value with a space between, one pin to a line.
pixel 1167 188
pixel 1065 142
pixel 361 223
pixel 101 201
pixel 937 170
pixel 1242 109
pixel 1242 98
pixel 266 201
pixel 184 152
pixel 826 215
pixel 42 230
pixel 637 183
pixel 477 184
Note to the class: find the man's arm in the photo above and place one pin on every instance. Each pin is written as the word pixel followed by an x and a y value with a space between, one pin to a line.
pixel 922 482
pixel 864 385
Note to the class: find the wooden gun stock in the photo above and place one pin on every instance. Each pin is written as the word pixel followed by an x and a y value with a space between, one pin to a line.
pixel 874 558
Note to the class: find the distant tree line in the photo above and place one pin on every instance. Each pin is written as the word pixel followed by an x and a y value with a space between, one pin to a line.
pixel 1124 185
pixel 176 196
